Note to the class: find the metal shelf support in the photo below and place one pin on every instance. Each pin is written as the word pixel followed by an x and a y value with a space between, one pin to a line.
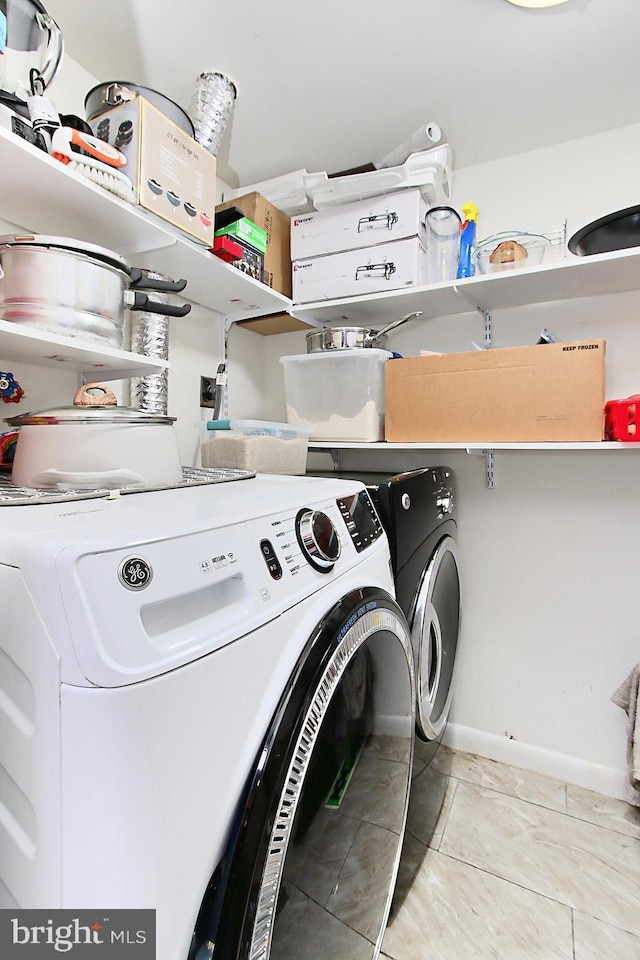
pixel 489 465
pixel 489 469
pixel 488 327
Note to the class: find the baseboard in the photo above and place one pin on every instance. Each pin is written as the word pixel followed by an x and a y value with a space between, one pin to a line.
pixel 592 776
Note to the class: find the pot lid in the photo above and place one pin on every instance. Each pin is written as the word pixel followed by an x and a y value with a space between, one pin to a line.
pixel 122 415
pixel 99 406
pixel 67 243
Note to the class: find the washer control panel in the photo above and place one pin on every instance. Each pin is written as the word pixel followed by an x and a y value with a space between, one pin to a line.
pixel 273 564
pixel 314 537
pixel 361 519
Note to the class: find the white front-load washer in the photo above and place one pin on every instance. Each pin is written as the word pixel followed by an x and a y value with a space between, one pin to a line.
pixel 207 710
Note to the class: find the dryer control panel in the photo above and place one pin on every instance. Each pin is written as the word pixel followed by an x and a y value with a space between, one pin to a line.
pixel 361 519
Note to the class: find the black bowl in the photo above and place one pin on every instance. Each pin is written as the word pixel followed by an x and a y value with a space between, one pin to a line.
pixel 616 231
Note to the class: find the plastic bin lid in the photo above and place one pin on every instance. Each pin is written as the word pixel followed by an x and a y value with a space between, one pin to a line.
pixel 351 353
pixel 266 428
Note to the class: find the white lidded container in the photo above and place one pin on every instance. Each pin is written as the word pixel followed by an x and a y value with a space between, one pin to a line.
pixel 339 394
pixel 259 445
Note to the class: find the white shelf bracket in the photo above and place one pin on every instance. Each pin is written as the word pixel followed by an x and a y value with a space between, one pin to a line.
pixel 149 246
pixel 335 459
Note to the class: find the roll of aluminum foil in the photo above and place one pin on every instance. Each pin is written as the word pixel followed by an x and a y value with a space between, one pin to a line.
pixel 150 338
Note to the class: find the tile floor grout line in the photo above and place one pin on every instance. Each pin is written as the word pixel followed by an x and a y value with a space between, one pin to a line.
pixel 520 886
pixel 609 923
pixel 441 833
pixel 543 806
pixel 505 793
pixel 573 933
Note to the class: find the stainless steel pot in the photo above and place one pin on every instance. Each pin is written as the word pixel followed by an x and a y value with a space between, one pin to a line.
pixel 346 338
pixel 74 289
pixel 95 444
pixel 111 94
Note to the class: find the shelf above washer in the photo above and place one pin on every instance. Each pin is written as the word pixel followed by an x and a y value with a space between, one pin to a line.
pixel 43 196
pixel 593 445
pixel 30 345
pixel 568 279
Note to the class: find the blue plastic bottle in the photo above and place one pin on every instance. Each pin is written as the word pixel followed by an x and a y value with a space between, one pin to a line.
pixel 466 266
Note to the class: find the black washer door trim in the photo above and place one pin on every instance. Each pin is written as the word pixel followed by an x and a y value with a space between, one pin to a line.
pixel 231 924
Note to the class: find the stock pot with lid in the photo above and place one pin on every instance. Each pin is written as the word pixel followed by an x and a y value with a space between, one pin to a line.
pixel 95 444
pixel 76 289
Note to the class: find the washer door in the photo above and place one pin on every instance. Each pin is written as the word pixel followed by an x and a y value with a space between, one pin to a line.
pixel 313 854
pixel 435 627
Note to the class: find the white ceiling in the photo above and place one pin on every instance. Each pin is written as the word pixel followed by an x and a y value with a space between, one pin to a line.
pixel 337 83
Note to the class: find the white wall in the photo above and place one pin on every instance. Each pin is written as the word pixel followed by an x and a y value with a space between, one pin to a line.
pixel 550 556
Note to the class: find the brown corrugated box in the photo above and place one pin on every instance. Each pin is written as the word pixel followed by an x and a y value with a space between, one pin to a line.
pixel 273 323
pixel 546 392
pixel 277 260
pixel 173 176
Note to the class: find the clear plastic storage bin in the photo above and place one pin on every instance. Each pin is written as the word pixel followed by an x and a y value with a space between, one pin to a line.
pixel 338 394
pixel 258 445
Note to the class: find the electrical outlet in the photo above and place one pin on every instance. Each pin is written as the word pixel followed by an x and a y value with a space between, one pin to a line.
pixel 207 391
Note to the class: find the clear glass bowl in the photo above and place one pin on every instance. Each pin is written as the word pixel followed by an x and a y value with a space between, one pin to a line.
pixel 510 250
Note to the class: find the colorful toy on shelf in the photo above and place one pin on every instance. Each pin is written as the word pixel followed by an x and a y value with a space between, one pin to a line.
pixel 10 389
pixel 8 442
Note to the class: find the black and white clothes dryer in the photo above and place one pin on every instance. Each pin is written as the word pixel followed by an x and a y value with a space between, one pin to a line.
pixel 418 510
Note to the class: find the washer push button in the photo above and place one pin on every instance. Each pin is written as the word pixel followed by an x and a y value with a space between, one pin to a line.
pixel 272 562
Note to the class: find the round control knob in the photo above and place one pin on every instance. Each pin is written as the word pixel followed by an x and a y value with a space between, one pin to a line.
pixel 318 538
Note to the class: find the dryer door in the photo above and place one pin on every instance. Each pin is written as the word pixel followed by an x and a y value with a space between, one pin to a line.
pixel 435 627
pixel 313 855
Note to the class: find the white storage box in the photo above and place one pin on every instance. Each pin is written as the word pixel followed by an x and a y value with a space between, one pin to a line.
pixel 362 224
pixel 387 266
pixel 259 445
pixel 338 394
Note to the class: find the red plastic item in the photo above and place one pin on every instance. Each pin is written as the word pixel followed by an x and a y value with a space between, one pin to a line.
pixel 622 419
pixel 227 249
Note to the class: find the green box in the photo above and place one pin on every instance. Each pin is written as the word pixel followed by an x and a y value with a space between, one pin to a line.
pixel 247 231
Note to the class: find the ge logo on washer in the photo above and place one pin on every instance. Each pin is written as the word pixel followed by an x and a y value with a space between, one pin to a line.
pixel 135 573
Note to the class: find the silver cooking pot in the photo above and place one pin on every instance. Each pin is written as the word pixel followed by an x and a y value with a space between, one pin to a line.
pixel 106 96
pixel 95 444
pixel 346 338
pixel 74 289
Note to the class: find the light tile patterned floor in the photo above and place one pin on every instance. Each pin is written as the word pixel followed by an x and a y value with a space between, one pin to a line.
pixel 517 867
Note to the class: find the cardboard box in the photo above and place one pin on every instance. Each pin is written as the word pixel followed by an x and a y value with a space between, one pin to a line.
pixel 364 223
pixel 388 266
pixel 272 324
pixel 552 392
pixel 173 176
pixel 277 259
pixel 252 262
